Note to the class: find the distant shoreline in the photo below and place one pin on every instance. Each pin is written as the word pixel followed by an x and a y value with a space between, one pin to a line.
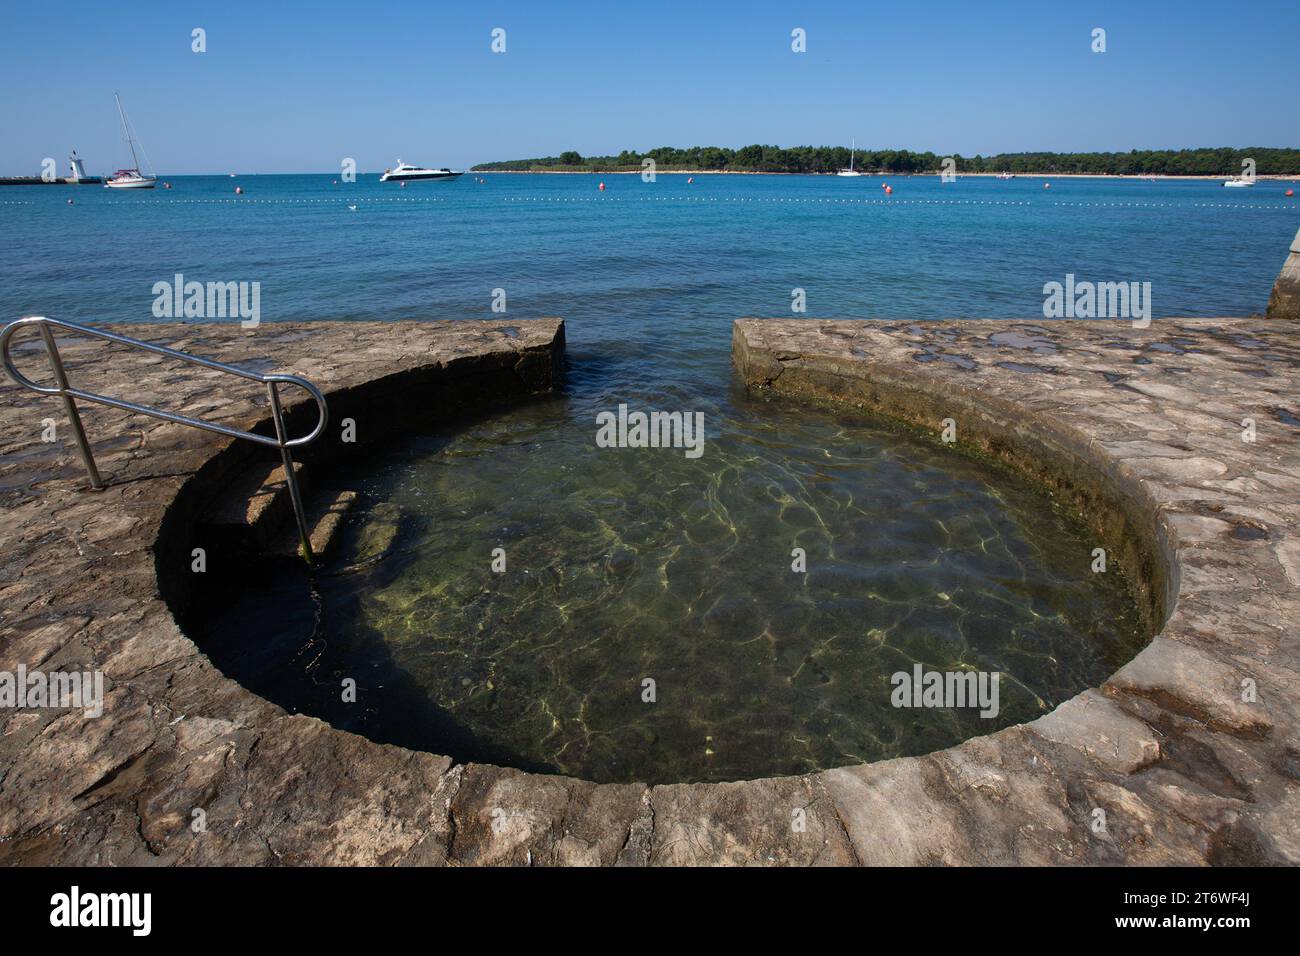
pixel 757 159
pixel 1280 177
pixel 1276 177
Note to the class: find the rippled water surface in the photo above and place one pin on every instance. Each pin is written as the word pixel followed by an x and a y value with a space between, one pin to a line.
pixel 624 565
pixel 628 564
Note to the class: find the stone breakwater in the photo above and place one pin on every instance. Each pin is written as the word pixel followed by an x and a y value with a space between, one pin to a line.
pixel 1284 303
pixel 1140 429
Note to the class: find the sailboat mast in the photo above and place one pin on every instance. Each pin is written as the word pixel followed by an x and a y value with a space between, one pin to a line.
pixel 126 129
pixel 853 146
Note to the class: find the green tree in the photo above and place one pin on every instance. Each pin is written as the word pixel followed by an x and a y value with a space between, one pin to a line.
pixel 1206 161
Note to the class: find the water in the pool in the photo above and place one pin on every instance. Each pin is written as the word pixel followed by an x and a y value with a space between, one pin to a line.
pixel 628 565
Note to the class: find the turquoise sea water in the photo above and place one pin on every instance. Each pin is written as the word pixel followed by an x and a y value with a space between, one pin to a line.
pixel 627 564
pixel 641 259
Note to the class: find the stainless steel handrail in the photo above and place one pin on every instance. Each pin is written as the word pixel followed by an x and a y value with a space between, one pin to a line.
pixel 68 393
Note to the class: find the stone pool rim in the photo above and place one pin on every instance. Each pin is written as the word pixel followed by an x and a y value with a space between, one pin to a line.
pixel 275 779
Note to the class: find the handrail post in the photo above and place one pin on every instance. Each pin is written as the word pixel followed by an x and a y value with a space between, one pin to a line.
pixel 290 476
pixel 70 394
pixel 61 379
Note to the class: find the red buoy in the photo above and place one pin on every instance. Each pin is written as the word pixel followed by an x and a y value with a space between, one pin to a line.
pixel 602 187
pixel 239 190
pixel 1290 192
pixel 889 190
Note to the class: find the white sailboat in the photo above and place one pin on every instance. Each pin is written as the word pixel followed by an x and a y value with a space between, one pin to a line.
pixel 129 178
pixel 850 171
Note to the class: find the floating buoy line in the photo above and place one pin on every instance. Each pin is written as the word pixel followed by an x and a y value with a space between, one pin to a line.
pixel 887 192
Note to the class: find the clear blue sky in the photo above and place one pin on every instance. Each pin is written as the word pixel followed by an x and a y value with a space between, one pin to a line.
pixel 295 87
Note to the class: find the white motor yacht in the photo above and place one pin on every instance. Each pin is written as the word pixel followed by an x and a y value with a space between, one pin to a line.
pixel 405 171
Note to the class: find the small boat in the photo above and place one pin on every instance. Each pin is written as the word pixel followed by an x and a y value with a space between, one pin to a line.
pixel 405 172
pixel 850 171
pixel 1006 175
pixel 129 178
pixel 1239 182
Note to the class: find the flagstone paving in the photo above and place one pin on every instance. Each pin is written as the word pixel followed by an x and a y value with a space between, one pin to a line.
pixel 1188 754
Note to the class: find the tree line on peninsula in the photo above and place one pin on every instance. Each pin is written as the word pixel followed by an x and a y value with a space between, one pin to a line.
pixel 1223 161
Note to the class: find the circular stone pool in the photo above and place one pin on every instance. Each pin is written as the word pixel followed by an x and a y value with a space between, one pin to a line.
pixel 652 622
